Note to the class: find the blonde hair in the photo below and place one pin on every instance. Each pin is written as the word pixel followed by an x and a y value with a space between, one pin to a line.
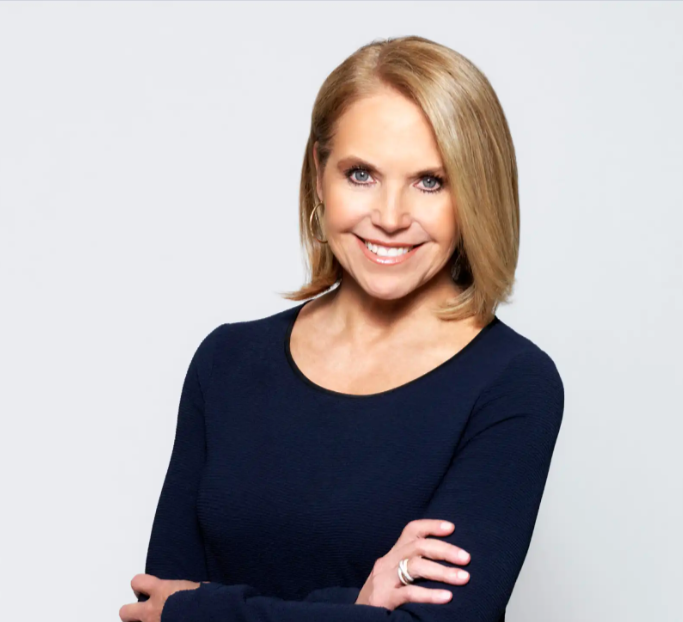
pixel 478 155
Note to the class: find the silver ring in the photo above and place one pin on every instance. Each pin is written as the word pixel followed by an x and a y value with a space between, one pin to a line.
pixel 403 574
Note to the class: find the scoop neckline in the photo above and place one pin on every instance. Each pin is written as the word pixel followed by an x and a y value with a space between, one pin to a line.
pixel 314 385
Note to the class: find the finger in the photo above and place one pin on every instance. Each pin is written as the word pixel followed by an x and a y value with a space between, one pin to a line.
pixel 436 549
pixel 423 527
pixel 143 584
pixel 416 594
pixel 131 612
pixel 420 567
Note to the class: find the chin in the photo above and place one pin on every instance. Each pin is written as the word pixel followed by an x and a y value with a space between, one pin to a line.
pixel 386 291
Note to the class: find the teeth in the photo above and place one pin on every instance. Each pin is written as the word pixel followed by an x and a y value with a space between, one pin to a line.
pixel 385 251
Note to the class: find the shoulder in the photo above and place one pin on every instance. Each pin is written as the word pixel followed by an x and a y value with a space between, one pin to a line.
pixel 530 374
pixel 251 332
pixel 233 341
pixel 521 377
pixel 514 356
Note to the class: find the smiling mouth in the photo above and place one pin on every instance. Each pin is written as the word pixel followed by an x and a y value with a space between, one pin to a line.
pixel 408 246
pixel 388 254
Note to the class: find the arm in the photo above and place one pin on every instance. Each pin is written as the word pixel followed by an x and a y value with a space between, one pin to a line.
pixel 176 547
pixel 491 492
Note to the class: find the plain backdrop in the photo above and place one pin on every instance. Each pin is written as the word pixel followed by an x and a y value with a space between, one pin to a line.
pixel 150 155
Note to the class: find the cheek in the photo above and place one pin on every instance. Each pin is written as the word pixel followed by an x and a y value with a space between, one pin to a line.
pixel 442 225
pixel 343 214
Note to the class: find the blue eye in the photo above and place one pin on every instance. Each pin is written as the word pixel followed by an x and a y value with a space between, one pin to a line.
pixel 357 170
pixel 437 180
pixel 349 173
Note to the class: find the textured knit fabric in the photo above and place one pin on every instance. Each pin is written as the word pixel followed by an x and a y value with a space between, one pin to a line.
pixel 281 494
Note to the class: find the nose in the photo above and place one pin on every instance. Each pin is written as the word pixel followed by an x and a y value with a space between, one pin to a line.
pixel 391 212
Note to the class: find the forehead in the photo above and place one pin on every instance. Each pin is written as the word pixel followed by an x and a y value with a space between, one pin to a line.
pixel 386 126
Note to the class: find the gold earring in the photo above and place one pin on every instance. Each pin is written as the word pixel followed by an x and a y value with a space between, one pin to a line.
pixel 310 222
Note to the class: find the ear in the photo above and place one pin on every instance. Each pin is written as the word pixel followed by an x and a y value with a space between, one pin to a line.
pixel 318 175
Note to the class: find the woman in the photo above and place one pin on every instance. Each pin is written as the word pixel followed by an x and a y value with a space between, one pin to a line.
pixel 319 450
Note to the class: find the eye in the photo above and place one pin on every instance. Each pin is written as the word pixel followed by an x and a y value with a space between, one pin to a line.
pixel 364 174
pixel 433 178
pixel 357 169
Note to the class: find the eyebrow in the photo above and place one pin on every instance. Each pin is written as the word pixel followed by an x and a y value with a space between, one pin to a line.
pixel 348 161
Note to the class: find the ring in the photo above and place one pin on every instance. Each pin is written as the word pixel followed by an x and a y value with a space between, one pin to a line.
pixel 403 574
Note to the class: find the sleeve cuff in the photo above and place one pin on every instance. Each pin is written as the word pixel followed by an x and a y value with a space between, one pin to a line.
pixel 183 605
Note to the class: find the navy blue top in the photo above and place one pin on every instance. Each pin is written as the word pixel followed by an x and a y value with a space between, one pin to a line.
pixel 282 493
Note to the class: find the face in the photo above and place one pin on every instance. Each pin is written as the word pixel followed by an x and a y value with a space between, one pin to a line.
pixel 384 184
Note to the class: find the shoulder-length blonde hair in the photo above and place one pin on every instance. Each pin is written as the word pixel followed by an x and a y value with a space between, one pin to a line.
pixel 478 155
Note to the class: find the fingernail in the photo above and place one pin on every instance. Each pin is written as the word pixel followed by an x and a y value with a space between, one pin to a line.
pixel 463 574
pixel 463 555
pixel 447 525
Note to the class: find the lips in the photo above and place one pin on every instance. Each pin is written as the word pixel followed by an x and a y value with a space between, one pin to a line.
pixel 386 260
pixel 390 244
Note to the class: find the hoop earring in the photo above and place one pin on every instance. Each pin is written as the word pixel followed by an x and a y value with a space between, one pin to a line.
pixel 310 223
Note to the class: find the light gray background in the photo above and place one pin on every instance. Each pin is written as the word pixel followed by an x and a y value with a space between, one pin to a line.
pixel 149 169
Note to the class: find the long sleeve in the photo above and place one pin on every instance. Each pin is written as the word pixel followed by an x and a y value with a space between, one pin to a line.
pixel 176 546
pixel 492 493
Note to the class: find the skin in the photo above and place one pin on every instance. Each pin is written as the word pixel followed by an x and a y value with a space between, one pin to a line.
pixel 342 339
pixel 159 590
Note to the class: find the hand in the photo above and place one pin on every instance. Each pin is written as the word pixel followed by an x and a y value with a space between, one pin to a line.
pixel 383 587
pixel 159 590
